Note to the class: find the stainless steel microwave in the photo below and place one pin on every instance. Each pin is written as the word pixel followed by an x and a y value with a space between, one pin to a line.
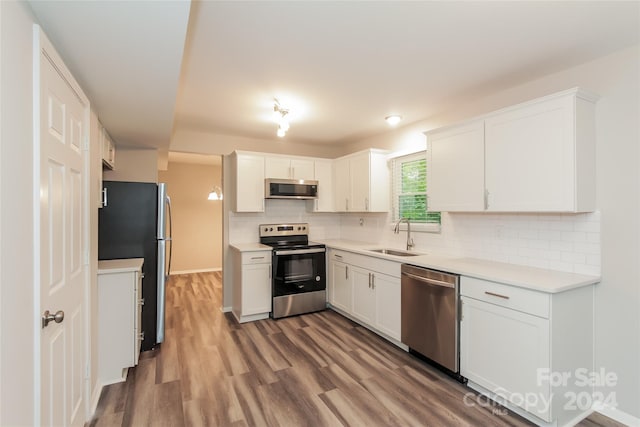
pixel 290 189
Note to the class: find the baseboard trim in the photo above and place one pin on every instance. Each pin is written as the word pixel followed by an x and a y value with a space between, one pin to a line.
pixel 201 270
pixel 226 309
pixel 616 414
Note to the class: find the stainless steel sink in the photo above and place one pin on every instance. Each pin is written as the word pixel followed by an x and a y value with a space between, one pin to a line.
pixel 394 252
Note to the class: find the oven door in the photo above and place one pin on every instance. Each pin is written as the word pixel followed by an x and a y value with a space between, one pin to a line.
pixel 297 271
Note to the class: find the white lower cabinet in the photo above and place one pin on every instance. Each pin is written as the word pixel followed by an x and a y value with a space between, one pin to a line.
pixel 364 296
pixel 251 285
pixel 119 317
pixel 340 291
pixel 366 289
pixel 514 340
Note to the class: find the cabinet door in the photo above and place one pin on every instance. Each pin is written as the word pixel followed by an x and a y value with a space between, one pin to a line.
pixel 341 185
pixel 250 183
pixel 530 162
pixel 340 286
pixel 277 167
pixel 138 317
pixel 455 169
pixel 359 172
pixel 503 350
pixel 302 169
pixel 256 289
pixel 388 317
pixel 323 173
pixel 364 296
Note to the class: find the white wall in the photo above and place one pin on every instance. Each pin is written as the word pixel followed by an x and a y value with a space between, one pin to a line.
pixel 191 141
pixel 17 311
pixel 616 79
pixel 134 165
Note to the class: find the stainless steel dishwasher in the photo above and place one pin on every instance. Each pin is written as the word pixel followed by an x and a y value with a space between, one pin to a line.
pixel 430 326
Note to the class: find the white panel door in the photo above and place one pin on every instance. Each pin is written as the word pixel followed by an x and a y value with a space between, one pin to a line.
pixel 62 129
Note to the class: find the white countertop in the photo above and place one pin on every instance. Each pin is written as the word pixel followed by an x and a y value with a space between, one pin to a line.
pixel 250 247
pixel 119 265
pixel 538 279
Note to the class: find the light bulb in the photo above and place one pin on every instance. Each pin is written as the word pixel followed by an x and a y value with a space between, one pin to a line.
pixel 281 132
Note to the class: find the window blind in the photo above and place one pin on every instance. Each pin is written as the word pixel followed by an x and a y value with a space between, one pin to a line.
pixel 409 189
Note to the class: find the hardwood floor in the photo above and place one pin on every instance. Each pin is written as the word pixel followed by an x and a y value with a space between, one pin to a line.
pixel 318 369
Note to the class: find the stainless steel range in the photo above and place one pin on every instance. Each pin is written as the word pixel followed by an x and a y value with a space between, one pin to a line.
pixel 299 282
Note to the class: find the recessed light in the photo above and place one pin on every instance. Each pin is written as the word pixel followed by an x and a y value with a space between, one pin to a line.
pixel 394 119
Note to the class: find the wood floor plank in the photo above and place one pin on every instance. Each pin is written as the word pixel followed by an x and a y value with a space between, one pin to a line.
pixel 319 369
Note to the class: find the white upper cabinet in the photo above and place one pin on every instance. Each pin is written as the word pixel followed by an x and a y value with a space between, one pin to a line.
pixel 323 173
pixel 541 156
pixel 341 186
pixel 455 168
pixel 108 149
pixel 288 168
pixel 361 182
pixel 249 182
pixel 538 156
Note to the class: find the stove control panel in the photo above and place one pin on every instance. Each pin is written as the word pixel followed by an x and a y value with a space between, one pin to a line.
pixel 299 229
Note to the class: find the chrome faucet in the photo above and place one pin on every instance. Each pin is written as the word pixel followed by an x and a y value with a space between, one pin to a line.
pixel 396 230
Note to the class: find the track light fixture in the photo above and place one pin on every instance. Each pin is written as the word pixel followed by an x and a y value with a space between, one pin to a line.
pixel 280 116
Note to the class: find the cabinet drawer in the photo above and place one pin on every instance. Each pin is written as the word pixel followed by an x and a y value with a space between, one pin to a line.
pixel 524 300
pixel 261 257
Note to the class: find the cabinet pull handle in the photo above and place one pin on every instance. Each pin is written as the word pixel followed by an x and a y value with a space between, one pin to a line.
pixel 486 199
pixel 104 197
pixel 366 203
pixel 369 280
pixel 257 257
pixel 346 271
pixel 496 295
pixel 346 204
pixel 373 281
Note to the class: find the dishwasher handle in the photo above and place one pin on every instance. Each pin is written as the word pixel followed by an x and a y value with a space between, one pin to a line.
pixel 429 281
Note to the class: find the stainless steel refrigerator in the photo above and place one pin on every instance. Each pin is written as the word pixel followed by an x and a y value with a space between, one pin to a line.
pixel 136 223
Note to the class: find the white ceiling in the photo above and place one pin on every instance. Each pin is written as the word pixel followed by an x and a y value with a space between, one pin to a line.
pixel 341 67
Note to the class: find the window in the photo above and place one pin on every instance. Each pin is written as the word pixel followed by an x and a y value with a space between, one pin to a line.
pixel 409 189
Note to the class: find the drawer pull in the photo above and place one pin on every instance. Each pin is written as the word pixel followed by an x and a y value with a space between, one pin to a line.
pixel 257 257
pixel 337 256
pixel 496 295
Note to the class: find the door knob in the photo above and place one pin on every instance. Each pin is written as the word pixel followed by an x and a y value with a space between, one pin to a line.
pixel 48 317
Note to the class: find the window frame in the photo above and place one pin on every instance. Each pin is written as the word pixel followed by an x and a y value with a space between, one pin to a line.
pixel 395 165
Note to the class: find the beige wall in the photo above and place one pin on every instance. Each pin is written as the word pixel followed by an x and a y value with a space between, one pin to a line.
pixel 134 165
pixel 197 222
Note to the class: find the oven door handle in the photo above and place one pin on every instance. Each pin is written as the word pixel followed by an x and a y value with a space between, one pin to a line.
pixel 301 251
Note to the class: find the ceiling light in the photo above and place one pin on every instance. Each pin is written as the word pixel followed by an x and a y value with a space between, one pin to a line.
pixel 280 117
pixel 216 193
pixel 393 120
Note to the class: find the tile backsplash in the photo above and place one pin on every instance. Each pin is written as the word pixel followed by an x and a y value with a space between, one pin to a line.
pixel 563 242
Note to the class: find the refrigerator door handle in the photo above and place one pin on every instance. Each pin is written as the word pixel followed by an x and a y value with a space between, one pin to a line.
pixel 169 236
